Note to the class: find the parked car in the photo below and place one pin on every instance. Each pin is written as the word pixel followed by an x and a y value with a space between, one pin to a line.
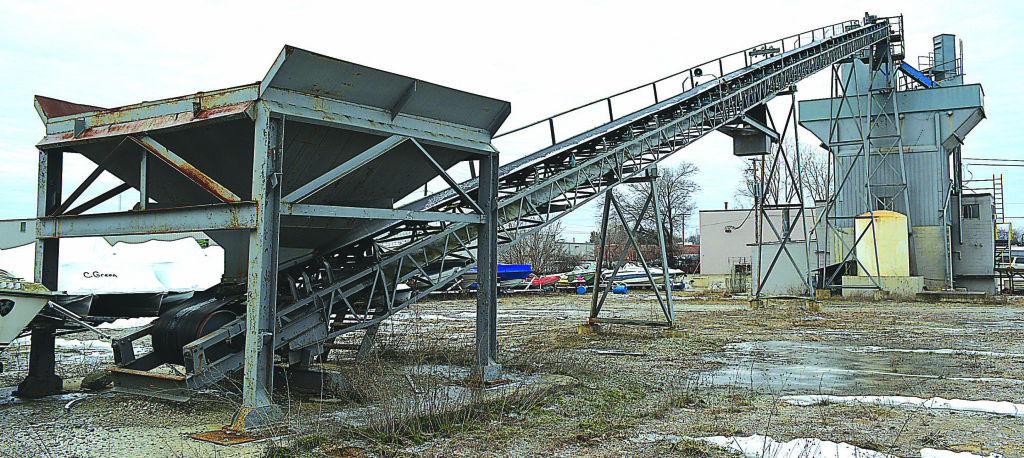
pixel 1017 263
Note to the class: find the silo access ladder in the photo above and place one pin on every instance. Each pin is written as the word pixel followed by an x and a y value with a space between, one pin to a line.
pixel 351 284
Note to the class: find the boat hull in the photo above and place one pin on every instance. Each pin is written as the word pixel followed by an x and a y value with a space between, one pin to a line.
pixel 20 302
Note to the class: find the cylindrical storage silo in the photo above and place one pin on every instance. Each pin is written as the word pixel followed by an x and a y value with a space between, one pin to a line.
pixel 886 231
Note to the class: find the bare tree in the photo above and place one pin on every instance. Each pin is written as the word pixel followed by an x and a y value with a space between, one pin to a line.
pixel 815 170
pixel 544 250
pixel 1017 238
pixel 676 190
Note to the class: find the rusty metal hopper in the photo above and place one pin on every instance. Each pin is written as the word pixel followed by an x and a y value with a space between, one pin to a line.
pixel 340 109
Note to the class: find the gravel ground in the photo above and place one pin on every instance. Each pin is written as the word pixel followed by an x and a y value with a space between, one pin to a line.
pixel 624 391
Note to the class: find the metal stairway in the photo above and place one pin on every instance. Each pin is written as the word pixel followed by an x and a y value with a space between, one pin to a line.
pixel 349 285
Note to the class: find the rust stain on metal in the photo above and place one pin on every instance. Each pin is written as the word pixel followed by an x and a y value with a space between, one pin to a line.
pixel 215 112
pixel 54 108
pixel 224 437
pixel 192 173
pixel 145 125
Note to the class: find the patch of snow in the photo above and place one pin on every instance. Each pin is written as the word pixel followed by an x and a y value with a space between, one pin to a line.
pixel 90 265
pixel 83 345
pixel 758 446
pixel 940 351
pixel 127 323
pixel 994 407
pixel 10 399
pixel 433 317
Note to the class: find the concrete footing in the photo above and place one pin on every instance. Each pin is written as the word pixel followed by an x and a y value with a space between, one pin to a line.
pixel 588 329
pixel 671 333
pixel 488 373
pixel 310 381
pixel 854 286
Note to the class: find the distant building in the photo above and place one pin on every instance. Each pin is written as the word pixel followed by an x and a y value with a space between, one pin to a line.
pixel 17 232
pixel 581 249
pixel 729 237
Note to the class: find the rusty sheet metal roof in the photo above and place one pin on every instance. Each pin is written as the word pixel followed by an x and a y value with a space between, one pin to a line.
pixel 308 72
pixel 90 126
pixel 52 108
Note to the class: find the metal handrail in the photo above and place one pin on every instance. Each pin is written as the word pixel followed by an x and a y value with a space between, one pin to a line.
pixel 826 32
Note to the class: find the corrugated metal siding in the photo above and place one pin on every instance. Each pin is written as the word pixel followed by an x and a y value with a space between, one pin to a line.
pixel 927 178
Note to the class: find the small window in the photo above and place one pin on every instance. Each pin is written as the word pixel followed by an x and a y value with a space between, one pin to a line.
pixel 24 226
pixel 972 211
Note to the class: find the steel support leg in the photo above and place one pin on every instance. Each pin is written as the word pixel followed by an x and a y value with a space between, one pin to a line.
pixel 367 344
pixel 595 305
pixel 670 314
pixel 258 410
pixel 486 368
pixel 42 379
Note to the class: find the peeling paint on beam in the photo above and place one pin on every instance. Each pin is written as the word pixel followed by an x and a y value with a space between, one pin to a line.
pixel 240 215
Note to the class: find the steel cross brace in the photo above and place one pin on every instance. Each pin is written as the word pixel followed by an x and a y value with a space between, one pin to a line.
pixel 188 170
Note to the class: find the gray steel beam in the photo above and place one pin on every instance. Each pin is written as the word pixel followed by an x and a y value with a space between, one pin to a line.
pixel 340 171
pixel 595 307
pixel 258 410
pixel 186 219
pixel 42 378
pixel 173 111
pixel 632 238
pixel 397 108
pixel 51 175
pixel 79 190
pixel 760 127
pixel 487 369
pixel 671 314
pixel 329 211
pixel 188 170
pixel 331 112
pixel 103 197
pixel 143 181
pixel 447 178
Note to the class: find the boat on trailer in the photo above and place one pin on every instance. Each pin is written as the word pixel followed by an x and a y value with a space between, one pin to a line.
pixel 634 274
pixel 20 302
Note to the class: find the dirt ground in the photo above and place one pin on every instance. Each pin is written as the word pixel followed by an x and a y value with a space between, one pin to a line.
pixel 625 390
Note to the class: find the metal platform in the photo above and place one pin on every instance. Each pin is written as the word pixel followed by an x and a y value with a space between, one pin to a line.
pixel 342 117
pixel 271 170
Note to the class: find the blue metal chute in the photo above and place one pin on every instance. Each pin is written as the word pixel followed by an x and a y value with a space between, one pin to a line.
pixel 916 75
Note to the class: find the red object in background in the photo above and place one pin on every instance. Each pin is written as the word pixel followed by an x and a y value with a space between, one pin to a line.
pixel 544 280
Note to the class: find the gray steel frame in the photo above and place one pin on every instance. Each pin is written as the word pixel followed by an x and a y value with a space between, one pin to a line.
pixel 517 200
pixel 878 99
pixel 601 295
pixel 267 326
pixel 538 190
pixel 771 198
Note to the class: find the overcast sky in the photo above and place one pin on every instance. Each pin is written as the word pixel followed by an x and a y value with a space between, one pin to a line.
pixel 543 57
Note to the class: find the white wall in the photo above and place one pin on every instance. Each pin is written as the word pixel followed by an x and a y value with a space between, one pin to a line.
pixel 728 234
